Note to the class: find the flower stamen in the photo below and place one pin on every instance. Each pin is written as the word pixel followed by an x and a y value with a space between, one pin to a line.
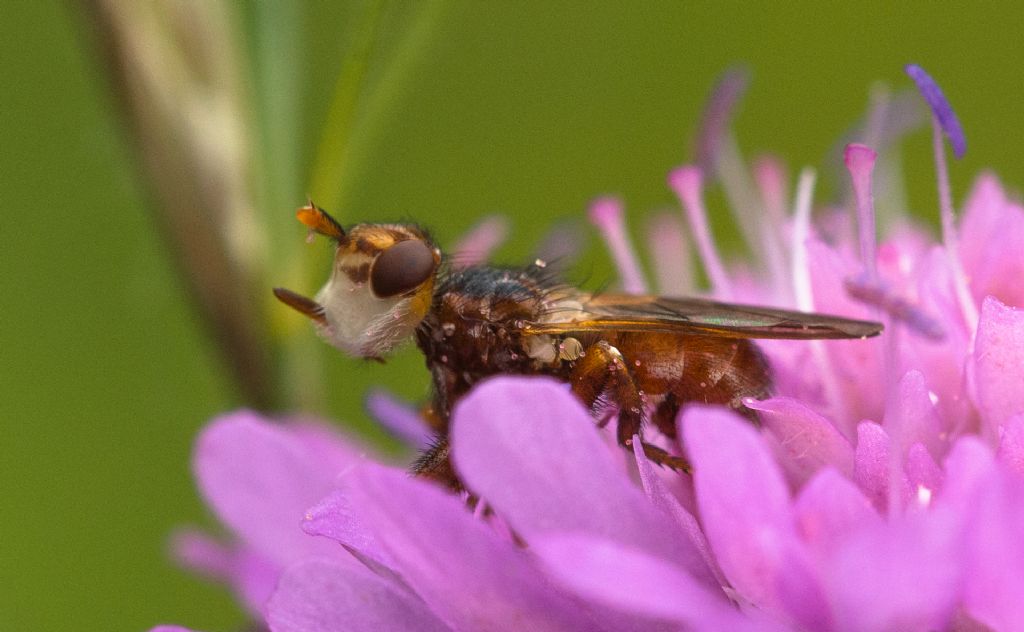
pixel 718 155
pixel 671 249
pixel 607 215
pixel 687 182
pixel 718 112
pixel 944 120
pixel 860 162
pixel 801 273
pixel 879 295
pixel 477 245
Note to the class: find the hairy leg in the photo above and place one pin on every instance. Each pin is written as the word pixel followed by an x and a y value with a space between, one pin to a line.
pixel 435 464
pixel 601 372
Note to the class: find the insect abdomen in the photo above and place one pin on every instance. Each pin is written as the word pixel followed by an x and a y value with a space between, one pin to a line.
pixel 702 369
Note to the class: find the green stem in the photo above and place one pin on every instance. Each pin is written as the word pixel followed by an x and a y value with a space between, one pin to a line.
pixel 329 166
pixel 359 109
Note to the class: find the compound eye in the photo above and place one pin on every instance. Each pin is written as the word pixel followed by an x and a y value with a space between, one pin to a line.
pixel 401 268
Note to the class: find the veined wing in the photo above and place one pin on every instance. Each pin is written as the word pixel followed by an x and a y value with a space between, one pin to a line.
pixel 620 312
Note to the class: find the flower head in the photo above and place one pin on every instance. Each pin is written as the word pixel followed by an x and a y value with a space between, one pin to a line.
pixel 882 490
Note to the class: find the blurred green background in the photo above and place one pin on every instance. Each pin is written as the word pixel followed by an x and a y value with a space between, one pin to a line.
pixel 529 109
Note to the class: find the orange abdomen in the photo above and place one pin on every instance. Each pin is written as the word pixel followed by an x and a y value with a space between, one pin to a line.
pixel 694 368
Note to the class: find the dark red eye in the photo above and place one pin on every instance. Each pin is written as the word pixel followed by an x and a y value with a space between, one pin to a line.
pixel 401 268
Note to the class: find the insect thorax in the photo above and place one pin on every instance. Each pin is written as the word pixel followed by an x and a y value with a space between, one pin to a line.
pixel 475 325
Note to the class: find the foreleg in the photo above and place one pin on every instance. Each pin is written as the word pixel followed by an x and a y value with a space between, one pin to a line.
pixel 435 464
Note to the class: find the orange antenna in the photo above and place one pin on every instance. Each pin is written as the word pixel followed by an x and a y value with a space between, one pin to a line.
pixel 319 221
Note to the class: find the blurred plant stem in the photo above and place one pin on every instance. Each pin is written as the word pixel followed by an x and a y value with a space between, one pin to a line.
pixel 212 103
pixel 278 59
pixel 175 71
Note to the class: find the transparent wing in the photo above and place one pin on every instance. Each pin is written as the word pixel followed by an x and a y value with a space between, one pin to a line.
pixel 620 312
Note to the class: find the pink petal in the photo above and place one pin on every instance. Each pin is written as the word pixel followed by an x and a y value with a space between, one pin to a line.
pixel 871 469
pixel 249 574
pixel 631 580
pixel 998 365
pixel 983 212
pixel 744 505
pixel 799 589
pixel 662 498
pixel 259 478
pixel 467 575
pixel 333 518
pixel 532 451
pixel 914 419
pixel 1011 444
pixel 320 595
pixel 828 509
pixel 968 466
pixel 202 554
pixel 996 550
pixel 998 272
pixel 901 576
pixel 942 364
pixel 853 373
pixel 923 474
pixel 324 444
pixel 808 441
pixel 829 268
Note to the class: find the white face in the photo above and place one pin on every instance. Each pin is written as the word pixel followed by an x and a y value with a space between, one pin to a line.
pixel 381 285
pixel 358 322
pixel 380 288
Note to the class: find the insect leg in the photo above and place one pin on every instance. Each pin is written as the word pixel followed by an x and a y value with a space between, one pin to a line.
pixel 664 458
pixel 664 416
pixel 433 419
pixel 602 370
pixel 435 464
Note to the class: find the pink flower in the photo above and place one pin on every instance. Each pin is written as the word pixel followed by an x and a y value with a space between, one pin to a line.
pixel 884 489
pixel 259 478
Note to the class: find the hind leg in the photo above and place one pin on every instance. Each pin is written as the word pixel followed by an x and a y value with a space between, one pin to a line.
pixel 602 372
pixel 665 414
